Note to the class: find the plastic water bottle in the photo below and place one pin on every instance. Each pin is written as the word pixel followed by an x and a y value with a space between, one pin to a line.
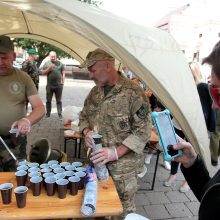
pixel 101 170
pixel 88 207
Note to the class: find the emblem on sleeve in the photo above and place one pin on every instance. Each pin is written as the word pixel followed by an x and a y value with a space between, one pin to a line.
pixel 142 112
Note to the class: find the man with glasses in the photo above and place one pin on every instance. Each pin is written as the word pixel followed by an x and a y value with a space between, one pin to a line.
pixel 205 188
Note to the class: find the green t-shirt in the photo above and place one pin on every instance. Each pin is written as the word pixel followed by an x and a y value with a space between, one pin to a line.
pixel 54 77
pixel 14 90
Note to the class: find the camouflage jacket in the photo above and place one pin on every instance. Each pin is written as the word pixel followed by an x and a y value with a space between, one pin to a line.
pixel 123 116
pixel 31 69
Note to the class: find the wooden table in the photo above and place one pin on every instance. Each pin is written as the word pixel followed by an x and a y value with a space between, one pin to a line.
pixel 154 137
pixel 51 207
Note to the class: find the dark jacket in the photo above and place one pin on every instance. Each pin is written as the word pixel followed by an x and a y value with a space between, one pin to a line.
pixel 206 102
pixel 205 188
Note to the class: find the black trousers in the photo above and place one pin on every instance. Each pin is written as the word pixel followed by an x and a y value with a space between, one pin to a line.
pixel 50 90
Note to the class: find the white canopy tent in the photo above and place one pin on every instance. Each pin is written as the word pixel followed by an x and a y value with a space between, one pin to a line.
pixel 150 53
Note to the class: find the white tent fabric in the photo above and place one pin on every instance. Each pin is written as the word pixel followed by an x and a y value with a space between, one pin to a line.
pixel 152 54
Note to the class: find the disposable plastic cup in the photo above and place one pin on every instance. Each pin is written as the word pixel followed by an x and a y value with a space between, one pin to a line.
pixel 21 177
pixel 46 170
pixel 34 169
pixel 50 185
pixel 58 170
pixel 21 196
pixel 82 169
pixel 35 183
pixel 44 165
pixel 53 162
pixel 45 175
pixel 60 176
pixel 62 188
pixel 6 192
pixel 70 167
pixel 74 185
pixel 34 164
pixel 54 166
pixel 32 174
pixel 22 167
pixel 63 164
pixel 69 173
pixel 23 162
pixel 77 164
pixel 82 176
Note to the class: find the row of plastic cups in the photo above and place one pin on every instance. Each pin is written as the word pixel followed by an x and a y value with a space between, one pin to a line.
pixel 20 194
pixel 67 175
pixel 36 172
pixel 50 163
pixel 23 177
pixel 55 167
pixel 51 183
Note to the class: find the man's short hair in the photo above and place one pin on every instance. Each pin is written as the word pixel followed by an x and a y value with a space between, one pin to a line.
pixel 213 59
pixel 6 45
pixel 94 56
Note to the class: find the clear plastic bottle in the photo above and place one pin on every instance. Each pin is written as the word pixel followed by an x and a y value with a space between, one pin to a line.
pixel 101 170
pixel 88 207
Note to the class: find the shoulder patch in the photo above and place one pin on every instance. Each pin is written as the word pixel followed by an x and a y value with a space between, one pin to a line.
pixel 142 111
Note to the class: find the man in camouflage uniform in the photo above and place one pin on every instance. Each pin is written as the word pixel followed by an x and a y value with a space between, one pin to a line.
pixel 15 88
pixel 118 110
pixel 29 66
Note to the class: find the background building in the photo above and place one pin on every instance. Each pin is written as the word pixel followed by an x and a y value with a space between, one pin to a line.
pixel 195 26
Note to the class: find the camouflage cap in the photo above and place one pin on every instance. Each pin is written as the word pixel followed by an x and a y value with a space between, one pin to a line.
pixel 6 45
pixel 94 56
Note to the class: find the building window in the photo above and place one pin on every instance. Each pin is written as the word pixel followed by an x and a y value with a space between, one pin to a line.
pixel 200 35
pixel 218 34
pixel 196 57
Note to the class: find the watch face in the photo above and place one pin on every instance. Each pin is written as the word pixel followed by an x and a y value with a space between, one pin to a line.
pixel 13 130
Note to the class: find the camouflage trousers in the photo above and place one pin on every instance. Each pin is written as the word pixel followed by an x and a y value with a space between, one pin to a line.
pixel 17 146
pixel 126 187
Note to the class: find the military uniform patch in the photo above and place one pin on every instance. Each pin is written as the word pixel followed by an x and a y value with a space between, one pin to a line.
pixel 142 112
pixel 15 87
pixel 122 124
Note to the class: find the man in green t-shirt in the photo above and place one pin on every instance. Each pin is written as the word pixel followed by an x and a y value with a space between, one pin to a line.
pixel 54 70
pixel 15 88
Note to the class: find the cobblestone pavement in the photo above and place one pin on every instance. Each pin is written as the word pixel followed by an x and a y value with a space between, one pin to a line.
pixel 161 202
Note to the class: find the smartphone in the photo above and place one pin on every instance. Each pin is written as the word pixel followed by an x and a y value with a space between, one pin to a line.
pixel 166 133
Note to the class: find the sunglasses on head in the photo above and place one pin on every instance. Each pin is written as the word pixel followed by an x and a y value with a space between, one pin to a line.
pixel 215 94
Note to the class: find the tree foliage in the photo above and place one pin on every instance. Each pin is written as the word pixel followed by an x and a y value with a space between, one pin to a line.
pixel 44 48
pixel 92 2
